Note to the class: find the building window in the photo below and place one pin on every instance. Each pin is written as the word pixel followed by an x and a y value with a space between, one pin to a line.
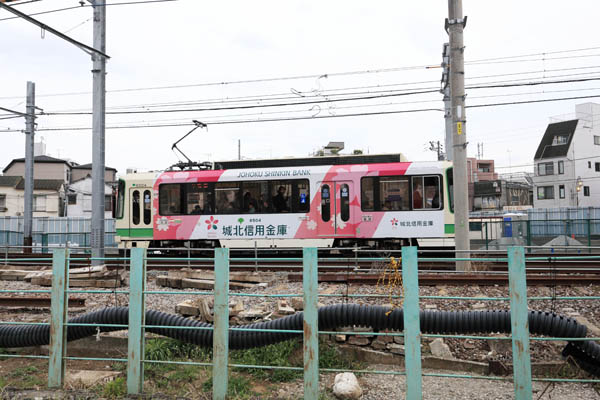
pixel 72 199
pixel 561 191
pixel 546 169
pixel 598 167
pixel 545 192
pixel 559 139
pixel 39 203
pixel 589 164
pixel 2 202
pixel 597 140
pixel 586 191
pixel 108 203
pixel 483 168
pixel 561 167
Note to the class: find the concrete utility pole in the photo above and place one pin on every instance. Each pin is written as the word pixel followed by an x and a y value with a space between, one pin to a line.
pixel 456 24
pixel 447 103
pixel 98 131
pixel 29 140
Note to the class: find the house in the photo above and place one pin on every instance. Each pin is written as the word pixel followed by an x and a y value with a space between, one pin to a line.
pixel 478 171
pixel 501 195
pixel 45 167
pixel 48 197
pixel 79 198
pixel 567 161
pixel 79 172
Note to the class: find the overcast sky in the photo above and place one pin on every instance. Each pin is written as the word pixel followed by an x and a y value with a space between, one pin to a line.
pixel 189 44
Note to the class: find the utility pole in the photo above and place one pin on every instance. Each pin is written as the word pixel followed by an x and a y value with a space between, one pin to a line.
pixel 98 131
pixel 239 149
pixel 455 25
pixel 99 57
pixel 445 90
pixel 29 140
pixel 438 148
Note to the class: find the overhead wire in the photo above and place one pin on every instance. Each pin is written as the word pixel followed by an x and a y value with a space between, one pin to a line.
pixel 307 94
pixel 329 99
pixel 298 77
pixel 224 122
pixel 89 5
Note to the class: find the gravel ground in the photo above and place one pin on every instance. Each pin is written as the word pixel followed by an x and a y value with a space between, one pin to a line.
pixel 377 386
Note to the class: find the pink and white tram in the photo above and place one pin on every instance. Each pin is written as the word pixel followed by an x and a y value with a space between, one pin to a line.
pixel 380 205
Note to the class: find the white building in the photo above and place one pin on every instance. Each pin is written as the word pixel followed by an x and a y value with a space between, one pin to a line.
pixel 79 199
pixel 567 161
pixel 48 197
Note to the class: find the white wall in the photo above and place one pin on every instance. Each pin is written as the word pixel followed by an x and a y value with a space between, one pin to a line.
pixel 579 162
pixel 83 207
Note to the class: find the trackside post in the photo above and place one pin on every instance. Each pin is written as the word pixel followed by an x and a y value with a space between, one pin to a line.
pixel 58 318
pixel 137 313
pixel 221 327
pixel 412 329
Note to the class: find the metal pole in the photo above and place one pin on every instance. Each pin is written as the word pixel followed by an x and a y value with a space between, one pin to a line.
pixel 29 140
pixel 456 24
pixel 98 141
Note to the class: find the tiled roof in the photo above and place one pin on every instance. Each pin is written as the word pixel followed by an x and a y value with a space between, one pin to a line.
pixel 42 184
pixel 9 181
pixel 89 166
pixel 38 159
pixel 546 149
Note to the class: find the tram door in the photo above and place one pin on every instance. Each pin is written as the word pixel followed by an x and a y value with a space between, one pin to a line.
pixel 140 212
pixel 336 216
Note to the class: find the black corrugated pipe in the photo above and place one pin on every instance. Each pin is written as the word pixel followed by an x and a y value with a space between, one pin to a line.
pixel 587 353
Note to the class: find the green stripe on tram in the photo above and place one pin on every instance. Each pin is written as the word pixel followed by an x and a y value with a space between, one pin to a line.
pixel 449 228
pixel 135 232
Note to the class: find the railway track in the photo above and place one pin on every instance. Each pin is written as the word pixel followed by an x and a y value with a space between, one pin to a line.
pixel 350 270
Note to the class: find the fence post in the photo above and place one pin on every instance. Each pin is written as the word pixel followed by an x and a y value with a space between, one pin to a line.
pixel 528 225
pixel 58 317
pixel 589 235
pixel 412 328
pixel 519 323
pixel 221 327
pixel 310 287
pixel 486 236
pixel 137 318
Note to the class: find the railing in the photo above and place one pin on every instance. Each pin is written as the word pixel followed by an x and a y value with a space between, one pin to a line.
pixel 57 356
pixel 549 235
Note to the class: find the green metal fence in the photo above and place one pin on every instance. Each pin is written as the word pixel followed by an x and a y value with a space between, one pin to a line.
pixel 136 326
pixel 551 235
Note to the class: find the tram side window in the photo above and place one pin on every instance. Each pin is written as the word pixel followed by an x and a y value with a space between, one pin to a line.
pixel 120 199
pixel 147 207
pixel 281 195
pixel 198 199
pixel 426 192
pixel 135 205
pixel 393 193
pixel 367 198
pixel 227 197
pixel 169 198
pixel 256 198
pixel 301 196
pixel 450 180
